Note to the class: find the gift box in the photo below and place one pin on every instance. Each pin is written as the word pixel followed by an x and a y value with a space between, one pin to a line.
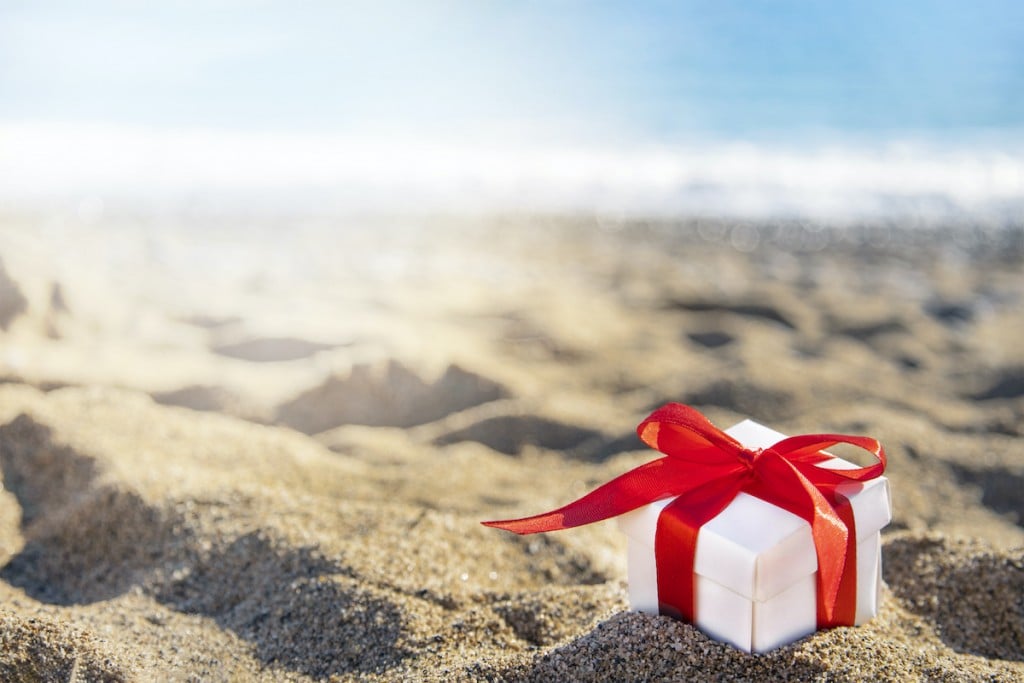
pixel 757 538
pixel 755 563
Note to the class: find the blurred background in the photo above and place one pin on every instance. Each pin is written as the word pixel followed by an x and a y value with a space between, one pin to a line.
pixel 321 183
pixel 750 109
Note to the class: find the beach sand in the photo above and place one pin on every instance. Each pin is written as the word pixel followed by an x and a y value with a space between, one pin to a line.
pixel 263 452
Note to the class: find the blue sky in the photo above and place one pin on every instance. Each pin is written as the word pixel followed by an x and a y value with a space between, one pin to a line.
pixel 648 70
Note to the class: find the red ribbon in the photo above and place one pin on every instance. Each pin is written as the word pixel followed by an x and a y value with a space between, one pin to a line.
pixel 706 468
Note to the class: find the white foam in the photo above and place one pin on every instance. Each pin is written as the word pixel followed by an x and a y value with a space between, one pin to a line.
pixel 375 171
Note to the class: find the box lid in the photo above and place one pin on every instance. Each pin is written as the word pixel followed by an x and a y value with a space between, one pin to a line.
pixel 753 547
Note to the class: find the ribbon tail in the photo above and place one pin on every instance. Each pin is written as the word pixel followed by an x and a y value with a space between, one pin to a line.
pixel 844 612
pixel 645 484
pixel 831 542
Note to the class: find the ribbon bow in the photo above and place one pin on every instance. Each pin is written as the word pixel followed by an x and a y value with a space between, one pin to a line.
pixel 705 469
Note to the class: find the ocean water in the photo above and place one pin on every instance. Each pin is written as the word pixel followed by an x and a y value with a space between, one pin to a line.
pixel 836 110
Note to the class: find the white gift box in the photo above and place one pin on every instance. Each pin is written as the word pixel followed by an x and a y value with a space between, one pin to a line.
pixel 755 563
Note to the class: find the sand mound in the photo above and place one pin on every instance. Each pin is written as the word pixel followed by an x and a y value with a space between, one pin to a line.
pixel 510 433
pixel 69 555
pixel 58 313
pixel 12 302
pixel 742 396
pixel 746 309
pixel 302 612
pixel 58 302
pixel 951 312
pixel 211 399
pixel 712 339
pixel 211 322
pixel 972 595
pixel 524 337
pixel 38 472
pixel 198 397
pixel 35 649
pixel 271 349
pixel 395 397
pixel 1009 383
pixel 1001 488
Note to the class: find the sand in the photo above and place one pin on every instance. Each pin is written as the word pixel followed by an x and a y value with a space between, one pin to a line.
pixel 245 450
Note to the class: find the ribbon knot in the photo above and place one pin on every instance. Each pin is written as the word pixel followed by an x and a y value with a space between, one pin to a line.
pixel 705 469
pixel 749 456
